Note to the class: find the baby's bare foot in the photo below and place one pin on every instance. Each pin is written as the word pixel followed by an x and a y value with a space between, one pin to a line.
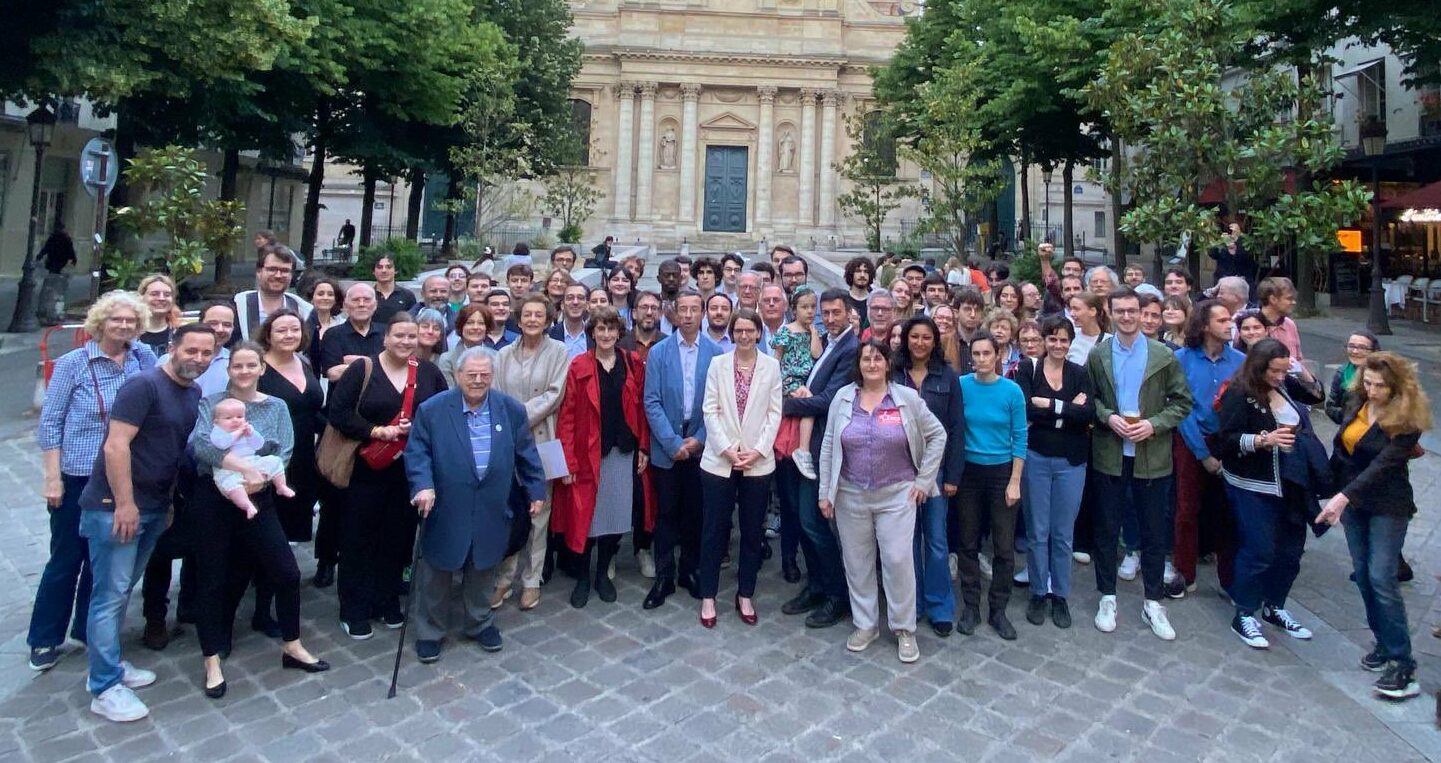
pixel 284 491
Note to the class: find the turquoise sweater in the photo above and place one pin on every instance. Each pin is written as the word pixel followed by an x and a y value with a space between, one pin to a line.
pixel 995 421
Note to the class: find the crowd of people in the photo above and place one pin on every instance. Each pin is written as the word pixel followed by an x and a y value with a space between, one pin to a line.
pixel 932 425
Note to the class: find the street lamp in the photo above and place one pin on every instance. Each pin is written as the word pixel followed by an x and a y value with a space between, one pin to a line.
pixel 1046 174
pixel 1373 145
pixel 40 127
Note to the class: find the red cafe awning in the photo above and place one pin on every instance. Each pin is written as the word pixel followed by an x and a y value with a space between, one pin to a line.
pixel 1215 192
pixel 1425 197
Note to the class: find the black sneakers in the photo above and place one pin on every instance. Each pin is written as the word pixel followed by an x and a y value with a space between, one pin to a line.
pixel 1060 612
pixel 1036 610
pixel 1398 681
pixel 1373 661
pixel 970 618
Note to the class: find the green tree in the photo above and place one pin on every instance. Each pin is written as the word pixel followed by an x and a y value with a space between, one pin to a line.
pixel 571 194
pixel 175 227
pixel 952 148
pixel 871 170
pixel 1169 89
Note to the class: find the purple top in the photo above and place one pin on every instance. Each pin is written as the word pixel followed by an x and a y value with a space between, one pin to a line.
pixel 874 450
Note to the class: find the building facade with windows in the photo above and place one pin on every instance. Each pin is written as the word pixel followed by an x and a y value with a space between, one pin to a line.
pixel 722 122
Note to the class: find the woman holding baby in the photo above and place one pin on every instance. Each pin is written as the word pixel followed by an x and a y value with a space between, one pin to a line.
pixel 243 437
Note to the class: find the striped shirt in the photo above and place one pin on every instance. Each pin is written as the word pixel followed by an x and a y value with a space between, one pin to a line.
pixel 478 421
pixel 78 402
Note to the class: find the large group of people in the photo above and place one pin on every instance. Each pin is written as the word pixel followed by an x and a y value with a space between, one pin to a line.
pixel 929 425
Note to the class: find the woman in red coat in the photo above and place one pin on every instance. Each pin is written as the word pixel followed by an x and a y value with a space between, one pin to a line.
pixel 603 429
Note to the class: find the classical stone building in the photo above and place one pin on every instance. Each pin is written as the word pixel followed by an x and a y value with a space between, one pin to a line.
pixel 721 122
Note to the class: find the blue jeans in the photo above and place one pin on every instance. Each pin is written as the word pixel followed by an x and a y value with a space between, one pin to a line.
pixel 1269 547
pixel 1375 542
pixel 65 583
pixel 1051 496
pixel 116 566
pixel 934 594
pixel 828 575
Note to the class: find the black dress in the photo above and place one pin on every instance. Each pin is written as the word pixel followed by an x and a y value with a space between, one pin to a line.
pixel 307 415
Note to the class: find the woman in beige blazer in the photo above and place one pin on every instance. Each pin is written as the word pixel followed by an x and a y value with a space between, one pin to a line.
pixel 742 412
pixel 532 370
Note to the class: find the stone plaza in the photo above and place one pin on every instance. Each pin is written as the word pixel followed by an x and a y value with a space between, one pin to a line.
pixel 612 682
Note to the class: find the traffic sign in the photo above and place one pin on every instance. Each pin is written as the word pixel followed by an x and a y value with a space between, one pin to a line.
pixel 99 167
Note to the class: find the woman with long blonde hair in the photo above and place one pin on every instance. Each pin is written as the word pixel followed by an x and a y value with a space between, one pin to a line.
pixel 1370 466
pixel 157 291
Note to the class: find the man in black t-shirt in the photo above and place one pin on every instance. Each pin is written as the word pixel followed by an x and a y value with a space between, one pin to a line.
pixel 125 506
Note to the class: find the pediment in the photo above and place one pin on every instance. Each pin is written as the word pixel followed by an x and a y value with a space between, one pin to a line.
pixel 727 121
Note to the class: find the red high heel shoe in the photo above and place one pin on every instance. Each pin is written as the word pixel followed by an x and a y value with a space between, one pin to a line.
pixel 708 622
pixel 750 619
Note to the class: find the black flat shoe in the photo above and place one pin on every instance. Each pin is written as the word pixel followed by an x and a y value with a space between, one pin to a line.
pixel 658 594
pixel 324 576
pixel 970 618
pixel 215 692
pixel 803 602
pixel 942 628
pixel 604 589
pixel 580 594
pixel 291 663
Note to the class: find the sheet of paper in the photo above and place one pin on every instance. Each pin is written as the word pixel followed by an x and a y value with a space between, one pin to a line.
pixel 552 458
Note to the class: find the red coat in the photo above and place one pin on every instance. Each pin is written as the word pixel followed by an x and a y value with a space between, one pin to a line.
pixel 578 429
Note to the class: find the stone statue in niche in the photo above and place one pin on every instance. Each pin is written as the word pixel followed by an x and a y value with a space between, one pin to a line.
pixel 787 152
pixel 667 149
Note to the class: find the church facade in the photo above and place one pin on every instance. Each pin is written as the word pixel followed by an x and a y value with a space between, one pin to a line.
pixel 722 122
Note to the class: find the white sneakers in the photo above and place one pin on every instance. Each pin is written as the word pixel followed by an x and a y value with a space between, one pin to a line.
pixel 1022 576
pixel 1106 614
pixel 955 564
pixel 802 459
pixel 1130 566
pixel 1081 557
pixel 1154 615
pixel 985 564
pixel 119 703
pixel 647 563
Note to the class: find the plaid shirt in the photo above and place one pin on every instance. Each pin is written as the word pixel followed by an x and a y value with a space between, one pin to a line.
pixel 78 400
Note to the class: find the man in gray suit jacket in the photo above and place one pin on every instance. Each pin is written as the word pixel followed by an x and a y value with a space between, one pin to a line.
pixel 466 448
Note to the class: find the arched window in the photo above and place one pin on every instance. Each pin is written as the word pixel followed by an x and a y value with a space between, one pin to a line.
pixel 580 121
pixel 880 143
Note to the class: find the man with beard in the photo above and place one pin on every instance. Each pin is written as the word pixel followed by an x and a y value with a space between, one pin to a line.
pixel 646 332
pixel 794 272
pixel 125 506
pixel 718 320
pixel 273 271
pixel 859 274
pixel 671 276
pixel 571 326
pixel 435 293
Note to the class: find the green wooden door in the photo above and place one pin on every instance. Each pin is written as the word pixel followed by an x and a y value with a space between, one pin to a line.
pixel 725 188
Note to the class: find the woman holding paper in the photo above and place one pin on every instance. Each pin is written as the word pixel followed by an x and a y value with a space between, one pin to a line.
pixel 603 428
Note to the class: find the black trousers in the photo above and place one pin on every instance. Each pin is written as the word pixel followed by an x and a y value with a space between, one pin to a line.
pixel 983 505
pixel 1151 500
pixel 177 542
pixel 678 519
pixel 377 533
pixel 327 528
pixel 722 496
pixel 224 568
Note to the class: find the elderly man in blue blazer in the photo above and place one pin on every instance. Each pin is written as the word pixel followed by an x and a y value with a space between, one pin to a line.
pixel 467 447
pixel 674 391
pixel 825 596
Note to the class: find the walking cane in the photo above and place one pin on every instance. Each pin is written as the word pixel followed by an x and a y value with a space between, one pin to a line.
pixel 409 605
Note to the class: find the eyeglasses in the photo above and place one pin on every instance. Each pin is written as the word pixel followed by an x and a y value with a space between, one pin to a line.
pixel 1358 347
pixel 277 271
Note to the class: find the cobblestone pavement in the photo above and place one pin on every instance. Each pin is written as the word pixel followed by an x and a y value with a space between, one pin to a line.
pixel 614 682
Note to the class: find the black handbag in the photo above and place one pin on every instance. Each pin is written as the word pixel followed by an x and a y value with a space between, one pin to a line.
pixel 519 519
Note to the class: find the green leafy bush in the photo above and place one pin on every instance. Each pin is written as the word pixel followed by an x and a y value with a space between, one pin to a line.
pixel 409 259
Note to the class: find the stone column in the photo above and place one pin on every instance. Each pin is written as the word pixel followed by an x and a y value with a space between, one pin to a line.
pixel 764 149
pixel 625 91
pixel 645 150
pixel 690 97
pixel 830 100
pixel 807 171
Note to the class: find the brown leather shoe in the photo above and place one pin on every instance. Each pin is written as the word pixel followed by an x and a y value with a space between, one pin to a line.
pixel 499 596
pixel 529 598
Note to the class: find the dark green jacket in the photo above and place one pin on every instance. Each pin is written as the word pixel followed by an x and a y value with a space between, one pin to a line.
pixel 1165 402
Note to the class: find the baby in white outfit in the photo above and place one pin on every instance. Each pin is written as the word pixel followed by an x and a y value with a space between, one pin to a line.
pixel 234 435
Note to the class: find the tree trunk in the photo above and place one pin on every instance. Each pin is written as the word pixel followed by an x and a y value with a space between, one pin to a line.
pixel 310 227
pixel 413 210
pixel 1024 231
pixel 229 176
pixel 452 192
pixel 367 205
pixel 1067 174
pixel 1118 171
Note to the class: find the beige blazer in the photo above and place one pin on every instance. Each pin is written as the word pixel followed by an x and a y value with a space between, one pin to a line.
pixel 725 429
pixel 538 382
pixel 925 436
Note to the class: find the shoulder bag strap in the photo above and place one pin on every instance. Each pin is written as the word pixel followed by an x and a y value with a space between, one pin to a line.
pixel 408 402
pixel 364 385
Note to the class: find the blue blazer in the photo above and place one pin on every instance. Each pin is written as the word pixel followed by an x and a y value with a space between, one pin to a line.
pixel 664 391
pixel 833 372
pixel 471 517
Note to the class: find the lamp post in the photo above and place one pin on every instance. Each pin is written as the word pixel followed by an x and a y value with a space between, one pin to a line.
pixel 1046 174
pixel 1373 145
pixel 40 126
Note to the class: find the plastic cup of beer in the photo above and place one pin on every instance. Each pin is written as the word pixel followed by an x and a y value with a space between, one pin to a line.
pixel 1131 416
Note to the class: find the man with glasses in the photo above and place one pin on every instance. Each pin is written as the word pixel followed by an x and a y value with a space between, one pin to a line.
pixel 748 291
pixel 273 272
pixel 880 315
pixel 570 329
pixel 646 333
pixel 731 267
